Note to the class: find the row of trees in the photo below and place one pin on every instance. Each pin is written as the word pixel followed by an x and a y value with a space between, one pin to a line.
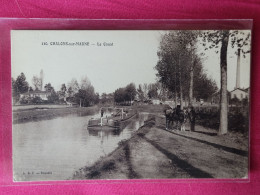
pixel 180 66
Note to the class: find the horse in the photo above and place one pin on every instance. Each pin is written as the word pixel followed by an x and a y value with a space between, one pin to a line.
pixel 176 115
pixel 182 118
pixel 168 117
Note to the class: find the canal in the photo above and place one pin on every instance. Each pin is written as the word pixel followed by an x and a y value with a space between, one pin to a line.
pixel 54 149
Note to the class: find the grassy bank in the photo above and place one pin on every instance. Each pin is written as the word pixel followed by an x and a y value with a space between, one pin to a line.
pixel 43 113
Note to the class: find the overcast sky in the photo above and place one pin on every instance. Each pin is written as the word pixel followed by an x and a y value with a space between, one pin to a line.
pixel 132 58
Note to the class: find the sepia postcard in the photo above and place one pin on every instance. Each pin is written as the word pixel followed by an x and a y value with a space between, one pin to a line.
pixel 130 104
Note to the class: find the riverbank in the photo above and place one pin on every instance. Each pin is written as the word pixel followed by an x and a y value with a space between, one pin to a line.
pixel 153 152
pixel 29 113
pixel 44 113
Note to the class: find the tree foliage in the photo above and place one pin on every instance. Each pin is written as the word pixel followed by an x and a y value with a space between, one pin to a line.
pixel 84 92
pixel 36 81
pixel 48 87
pixel 125 94
pixel 73 87
pixel 19 86
pixel 153 91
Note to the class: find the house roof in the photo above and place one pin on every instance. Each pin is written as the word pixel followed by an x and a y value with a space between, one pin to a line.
pixel 244 90
pixel 247 89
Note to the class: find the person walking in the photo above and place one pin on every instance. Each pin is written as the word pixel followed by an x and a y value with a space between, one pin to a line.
pixel 102 112
pixel 192 118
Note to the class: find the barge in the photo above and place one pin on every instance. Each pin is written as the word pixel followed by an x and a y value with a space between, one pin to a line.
pixel 117 119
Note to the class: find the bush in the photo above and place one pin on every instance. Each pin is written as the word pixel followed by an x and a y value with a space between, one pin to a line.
pixel 25 100
pixel 37 100
pixel 238 119
pixel 53 98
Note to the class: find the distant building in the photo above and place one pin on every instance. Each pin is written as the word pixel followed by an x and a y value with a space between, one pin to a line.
pixel 239 93
pixel 155 101
pixel 32 94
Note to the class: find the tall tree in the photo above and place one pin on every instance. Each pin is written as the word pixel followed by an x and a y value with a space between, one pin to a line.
pixel 73 87
pixel 145 90
pixel 140 93
pixel 21 84
pixel 36 81
pixel 103 98
pixel 48 87
pixel 130 92
pixel 85 94
pixel 125 94
pixel 223 128
pixel 153 91
pixel 119 95
pixel 85 83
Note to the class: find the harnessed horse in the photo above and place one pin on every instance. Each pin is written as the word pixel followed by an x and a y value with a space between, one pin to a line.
pixel 176 115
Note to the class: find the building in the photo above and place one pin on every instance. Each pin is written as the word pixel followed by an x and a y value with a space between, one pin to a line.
pixel 32 94
pixel 155 101
pixel 239 93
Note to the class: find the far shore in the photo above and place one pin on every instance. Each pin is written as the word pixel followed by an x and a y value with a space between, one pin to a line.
pixel 28 113
pixel 38 106
pixel 45 112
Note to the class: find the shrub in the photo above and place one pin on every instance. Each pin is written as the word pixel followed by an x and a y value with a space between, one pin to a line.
pixel 25 100
pixel 238 119
pixel 37 100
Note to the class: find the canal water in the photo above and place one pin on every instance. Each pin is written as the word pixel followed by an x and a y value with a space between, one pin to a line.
pixel 54 149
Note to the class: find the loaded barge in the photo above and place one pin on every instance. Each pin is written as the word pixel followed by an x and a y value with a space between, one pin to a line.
pixel 116 120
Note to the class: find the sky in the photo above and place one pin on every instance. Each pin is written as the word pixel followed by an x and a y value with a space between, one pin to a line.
pixel 131 58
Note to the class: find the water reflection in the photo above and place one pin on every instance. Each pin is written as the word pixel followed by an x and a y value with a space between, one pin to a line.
pixel 55 149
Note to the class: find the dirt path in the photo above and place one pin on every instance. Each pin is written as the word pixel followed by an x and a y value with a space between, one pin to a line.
pixel 156 153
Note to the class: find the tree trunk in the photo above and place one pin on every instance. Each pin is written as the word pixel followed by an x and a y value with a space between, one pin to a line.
pixel 191 83
pixel 223 126
pixel 175 88
pixel 181 94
